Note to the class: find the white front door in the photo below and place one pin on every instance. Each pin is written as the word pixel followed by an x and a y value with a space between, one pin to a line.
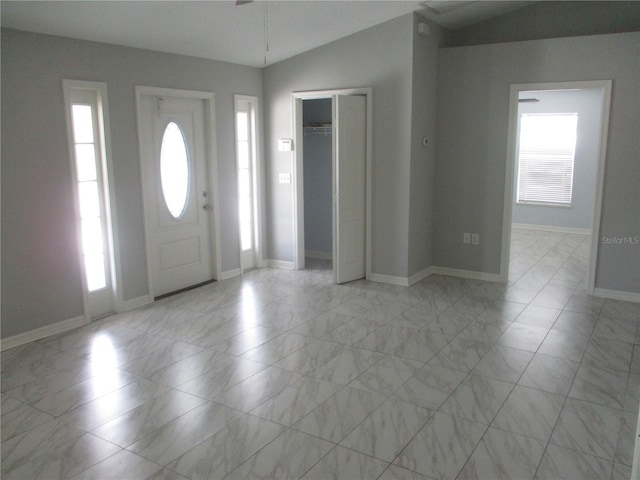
pixel 177 197
pixel 349 147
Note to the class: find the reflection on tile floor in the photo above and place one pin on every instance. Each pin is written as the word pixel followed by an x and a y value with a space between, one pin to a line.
pixel 280 374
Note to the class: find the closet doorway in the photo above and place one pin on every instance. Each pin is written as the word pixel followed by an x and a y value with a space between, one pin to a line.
pixel 331 174
pixel 317 121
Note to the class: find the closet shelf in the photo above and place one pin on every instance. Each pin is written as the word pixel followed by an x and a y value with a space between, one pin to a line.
pixel 318 129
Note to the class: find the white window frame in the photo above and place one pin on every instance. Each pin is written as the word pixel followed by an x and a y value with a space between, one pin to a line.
pixel 249 104
pixel 104 301
pixel 527 162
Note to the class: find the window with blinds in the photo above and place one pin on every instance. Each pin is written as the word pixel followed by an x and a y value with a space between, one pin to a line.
pixel 546 158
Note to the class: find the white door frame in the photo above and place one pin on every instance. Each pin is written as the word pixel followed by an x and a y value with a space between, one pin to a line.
pixel 605 86
pixel 212 167
pixel 298 169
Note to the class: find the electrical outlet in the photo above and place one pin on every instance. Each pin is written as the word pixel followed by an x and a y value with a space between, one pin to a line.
pixel 475 239
pixel 466 238
pixel 284 178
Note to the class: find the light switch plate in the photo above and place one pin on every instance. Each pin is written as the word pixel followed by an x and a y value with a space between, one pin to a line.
pixel 285 144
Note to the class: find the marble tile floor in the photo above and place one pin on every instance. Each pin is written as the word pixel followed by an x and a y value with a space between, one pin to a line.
pixel 280 374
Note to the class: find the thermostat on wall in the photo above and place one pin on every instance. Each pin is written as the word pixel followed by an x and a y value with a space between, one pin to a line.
pixel 285 145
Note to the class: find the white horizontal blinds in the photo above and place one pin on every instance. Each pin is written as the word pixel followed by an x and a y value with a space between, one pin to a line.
pixel 546 158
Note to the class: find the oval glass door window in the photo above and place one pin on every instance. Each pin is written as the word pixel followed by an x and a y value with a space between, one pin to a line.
pixel 174 170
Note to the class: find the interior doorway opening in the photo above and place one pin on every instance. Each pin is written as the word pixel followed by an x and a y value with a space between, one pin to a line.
pixel 548 187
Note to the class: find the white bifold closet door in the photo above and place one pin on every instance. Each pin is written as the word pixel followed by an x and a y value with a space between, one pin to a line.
pixel 349 156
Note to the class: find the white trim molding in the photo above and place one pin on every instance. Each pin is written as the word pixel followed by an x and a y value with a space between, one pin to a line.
pixel 134 303
pixel 507 217
pixel 552 228
pixel 389 279
pixel 228 274
pixel 470 274
pixel 617 295
pixel 427 272
pixel 402 281
pixel 280 264
pixel 43 332
pixel 419 276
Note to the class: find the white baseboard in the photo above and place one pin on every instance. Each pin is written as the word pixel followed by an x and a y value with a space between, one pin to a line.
pixel 551 228
pixel 471 274
pixel 416 277
pixel 319 255
pixel 617 295
pixel 226 275
pixel 451 272
pixel 401 281
pixel 280 264
pixel 134 303
pixel 43 332
pixel 390 279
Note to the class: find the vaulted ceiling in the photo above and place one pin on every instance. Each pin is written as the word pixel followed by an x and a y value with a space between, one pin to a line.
pixel 222 30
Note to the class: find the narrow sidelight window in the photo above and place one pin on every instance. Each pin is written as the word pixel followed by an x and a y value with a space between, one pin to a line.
pixel 88 146
pixel 89 196
pixel 246 159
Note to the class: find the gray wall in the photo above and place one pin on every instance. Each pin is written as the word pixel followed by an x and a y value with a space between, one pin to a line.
pixel 552 19
pixel 40 268
pixel 587 103
pixel 401 69
pixel 473 101
pixel 423 124
pixel 381 58
pixel 318 173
